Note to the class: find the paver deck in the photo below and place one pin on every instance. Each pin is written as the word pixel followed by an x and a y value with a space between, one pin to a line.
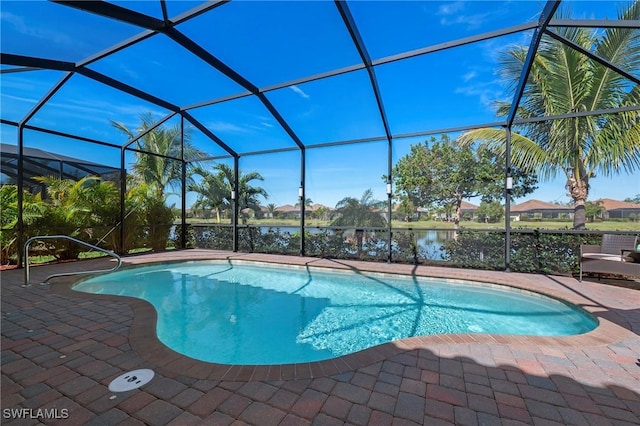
pixel 61 349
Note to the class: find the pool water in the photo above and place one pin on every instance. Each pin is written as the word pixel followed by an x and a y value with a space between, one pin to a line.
pixel 247 313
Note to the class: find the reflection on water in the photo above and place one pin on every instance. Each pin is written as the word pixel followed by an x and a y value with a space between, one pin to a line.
pixel 429 242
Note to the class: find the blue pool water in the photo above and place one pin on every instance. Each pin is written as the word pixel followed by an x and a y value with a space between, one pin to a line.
pixel 257 314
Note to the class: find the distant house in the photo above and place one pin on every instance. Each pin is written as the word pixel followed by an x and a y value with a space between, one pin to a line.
pixel 536 209
pixel 466 210
pixel 288 211
pixel 615 209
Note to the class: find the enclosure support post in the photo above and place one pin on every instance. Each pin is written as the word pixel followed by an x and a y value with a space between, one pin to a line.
pixel 20 190
pixel 123 193
pixel 507 205
pixel 389 196
pixel 301 194
pixel 234 199
pixel 183 219
pixel 21 126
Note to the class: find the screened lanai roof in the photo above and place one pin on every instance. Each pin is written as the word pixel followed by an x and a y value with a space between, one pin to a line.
pixel 273 76
pixel 37 162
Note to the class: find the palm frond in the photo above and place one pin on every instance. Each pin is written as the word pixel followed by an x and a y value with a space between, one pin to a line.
pixel 525 153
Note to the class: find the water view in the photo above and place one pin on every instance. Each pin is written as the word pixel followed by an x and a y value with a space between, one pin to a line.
pixel 428 241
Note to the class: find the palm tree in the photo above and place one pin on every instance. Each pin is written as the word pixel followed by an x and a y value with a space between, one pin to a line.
pixel 160 172
pixel 307 203
pixel 563 80
pixel 216 188
pixel 85 208
pixel 271 208
pixel 362 212
pixel 248 195
pixel 33 208
pixel 212 192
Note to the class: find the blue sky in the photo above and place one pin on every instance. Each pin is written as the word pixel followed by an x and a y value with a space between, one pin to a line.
pixel 270 43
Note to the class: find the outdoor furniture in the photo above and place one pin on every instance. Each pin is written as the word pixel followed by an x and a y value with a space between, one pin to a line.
pixel 611 256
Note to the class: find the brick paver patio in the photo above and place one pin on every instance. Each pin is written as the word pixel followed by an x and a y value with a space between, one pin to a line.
pixel 61 349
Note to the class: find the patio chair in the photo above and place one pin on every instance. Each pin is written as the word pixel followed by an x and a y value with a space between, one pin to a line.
pixel 611 256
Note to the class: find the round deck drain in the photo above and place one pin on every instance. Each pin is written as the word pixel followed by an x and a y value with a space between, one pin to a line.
pixel 131 380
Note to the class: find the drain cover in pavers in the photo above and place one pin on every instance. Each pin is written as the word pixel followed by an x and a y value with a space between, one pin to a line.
pixel 131 380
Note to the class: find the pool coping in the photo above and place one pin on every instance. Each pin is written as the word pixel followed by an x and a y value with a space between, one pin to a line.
pixel 144 341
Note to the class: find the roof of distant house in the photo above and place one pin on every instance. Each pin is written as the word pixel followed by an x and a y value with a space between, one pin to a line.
pixel 538 205
pixel 287 208
pixel 610 204
pixel 317 206
pixel 290 208
pixel 467 206
pixel 463 206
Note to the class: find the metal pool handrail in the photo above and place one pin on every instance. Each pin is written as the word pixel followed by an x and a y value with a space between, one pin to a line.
pixel 66 237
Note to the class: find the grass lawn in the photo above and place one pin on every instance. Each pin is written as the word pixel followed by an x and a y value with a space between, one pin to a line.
pixel 82 255
pixel 35 260
pixel 430 224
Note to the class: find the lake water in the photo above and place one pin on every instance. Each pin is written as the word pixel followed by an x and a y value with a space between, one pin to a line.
pixel 429 241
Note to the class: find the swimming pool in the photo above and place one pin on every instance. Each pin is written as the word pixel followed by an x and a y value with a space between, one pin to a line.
pixel 251 313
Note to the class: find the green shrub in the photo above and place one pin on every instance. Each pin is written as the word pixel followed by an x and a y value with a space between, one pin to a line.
pixel 535 252
pixel 177 236
pixel 213 237
pixel 159 220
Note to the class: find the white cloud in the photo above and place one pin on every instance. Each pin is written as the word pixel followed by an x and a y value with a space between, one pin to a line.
pixel 94 111
pixel 469 76
pixel 472 21
pixel 453 14
pixel 224 126
pixel 299 91
pixel 21 27
pixel 486 92
pixel 450 8
pixel 129 71
pixel 19 98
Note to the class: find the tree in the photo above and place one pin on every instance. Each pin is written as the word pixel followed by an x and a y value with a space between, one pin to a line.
pixel 213 192
pixel 320 213
pixel 161 172
pixel 271 208
pixel 594 210
pixel 406 209
pixel 307 203
pixel 215 189
pixel 359 213
pixel 635 199
pixel 563 80
pixel 33 208
pixel 444 173
pixel 157 216
pixel 83 209
pixel 489 212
